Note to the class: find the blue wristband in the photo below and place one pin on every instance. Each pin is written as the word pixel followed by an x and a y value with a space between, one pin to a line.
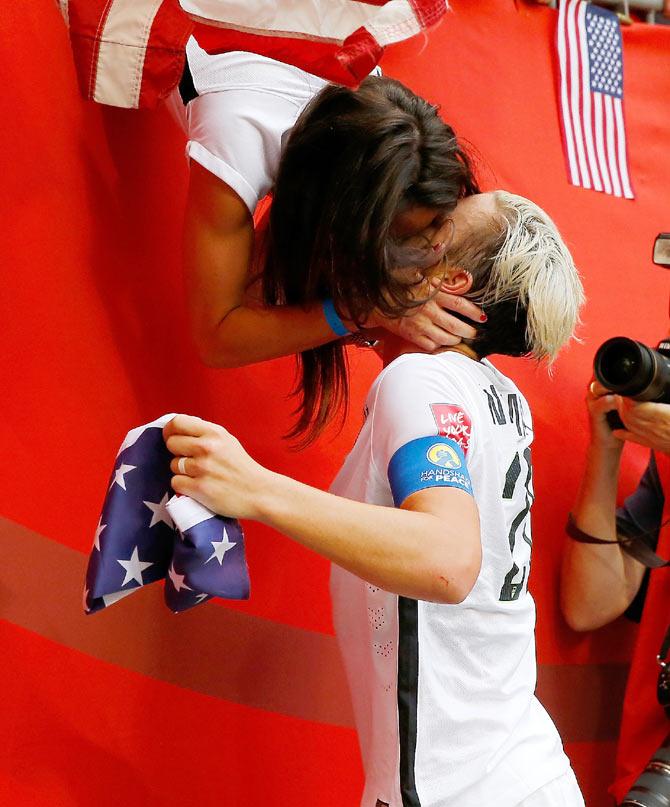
pixel 333 319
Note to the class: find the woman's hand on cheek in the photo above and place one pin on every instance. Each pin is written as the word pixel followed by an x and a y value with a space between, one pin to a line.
pixel 212 467
pixel 431 326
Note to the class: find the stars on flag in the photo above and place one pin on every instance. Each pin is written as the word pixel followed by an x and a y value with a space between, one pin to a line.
pixel 136 538
pixel 159 512
pixel 603 37
pixel 119 475
pixel 178 579
pixel 220 547
pixel 134 568
pixel 98 532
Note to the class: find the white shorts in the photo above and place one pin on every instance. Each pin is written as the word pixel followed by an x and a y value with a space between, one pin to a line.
pixel 561 792
pixel 246 104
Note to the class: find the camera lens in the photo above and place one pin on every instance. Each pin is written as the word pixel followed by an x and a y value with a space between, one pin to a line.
pixel 621 364
pixel 632 369
pixel 624 366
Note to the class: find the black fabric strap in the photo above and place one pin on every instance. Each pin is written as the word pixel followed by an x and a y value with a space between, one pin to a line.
pixel 645 554
pixel 187 89
pixel 631 544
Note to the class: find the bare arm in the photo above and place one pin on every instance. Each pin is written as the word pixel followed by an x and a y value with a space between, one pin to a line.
pixel 430 549
pixel 598 582
pixel 231 329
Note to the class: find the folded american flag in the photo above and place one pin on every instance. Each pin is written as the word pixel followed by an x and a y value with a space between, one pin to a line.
pixel 144 536
pixel 131 54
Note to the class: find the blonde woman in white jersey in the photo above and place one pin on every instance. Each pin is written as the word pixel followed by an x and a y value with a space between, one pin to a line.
pixel 428 527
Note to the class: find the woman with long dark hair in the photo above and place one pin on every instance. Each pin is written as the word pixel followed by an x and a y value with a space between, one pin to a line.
pixel 364 171
pixel 361 173
pixel 364 190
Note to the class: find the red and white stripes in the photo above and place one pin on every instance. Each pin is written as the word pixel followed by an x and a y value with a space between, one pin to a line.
pixel 130 53
pixel 594 134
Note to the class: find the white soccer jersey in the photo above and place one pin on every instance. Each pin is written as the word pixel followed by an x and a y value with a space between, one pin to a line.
pixel 245 106
pixel 444 694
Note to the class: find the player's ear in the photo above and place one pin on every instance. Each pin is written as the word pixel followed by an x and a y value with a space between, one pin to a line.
pixel 457 281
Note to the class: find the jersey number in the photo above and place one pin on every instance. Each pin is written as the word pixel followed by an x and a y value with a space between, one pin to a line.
pixel 517 578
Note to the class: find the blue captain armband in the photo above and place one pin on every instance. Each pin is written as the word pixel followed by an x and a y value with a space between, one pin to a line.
pixel 428 462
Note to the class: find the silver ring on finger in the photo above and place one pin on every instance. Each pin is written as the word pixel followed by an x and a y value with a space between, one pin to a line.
pixel 181 465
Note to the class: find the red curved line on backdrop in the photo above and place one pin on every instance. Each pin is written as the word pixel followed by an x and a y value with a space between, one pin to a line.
pixel 237 657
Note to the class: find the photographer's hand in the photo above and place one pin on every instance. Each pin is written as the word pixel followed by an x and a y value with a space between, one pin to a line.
pixel 600 401
pixel 647 424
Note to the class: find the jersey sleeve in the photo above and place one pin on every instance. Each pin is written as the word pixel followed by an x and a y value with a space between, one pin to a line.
pixel 237 136
pixel 244 107
pixel 421 430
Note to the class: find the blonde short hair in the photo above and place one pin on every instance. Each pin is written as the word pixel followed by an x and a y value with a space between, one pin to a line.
pixel 523 275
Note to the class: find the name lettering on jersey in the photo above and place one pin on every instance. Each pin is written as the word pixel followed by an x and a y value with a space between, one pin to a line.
pixel 514 411
pixel 497 410
pixel 453 422
pixel 495 406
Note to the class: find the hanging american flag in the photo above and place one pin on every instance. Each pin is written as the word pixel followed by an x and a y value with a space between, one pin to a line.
pixel 590 56
pixel 130 53
pixel 144 536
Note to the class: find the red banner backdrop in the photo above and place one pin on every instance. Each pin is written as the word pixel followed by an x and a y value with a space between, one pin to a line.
pixel 245 705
